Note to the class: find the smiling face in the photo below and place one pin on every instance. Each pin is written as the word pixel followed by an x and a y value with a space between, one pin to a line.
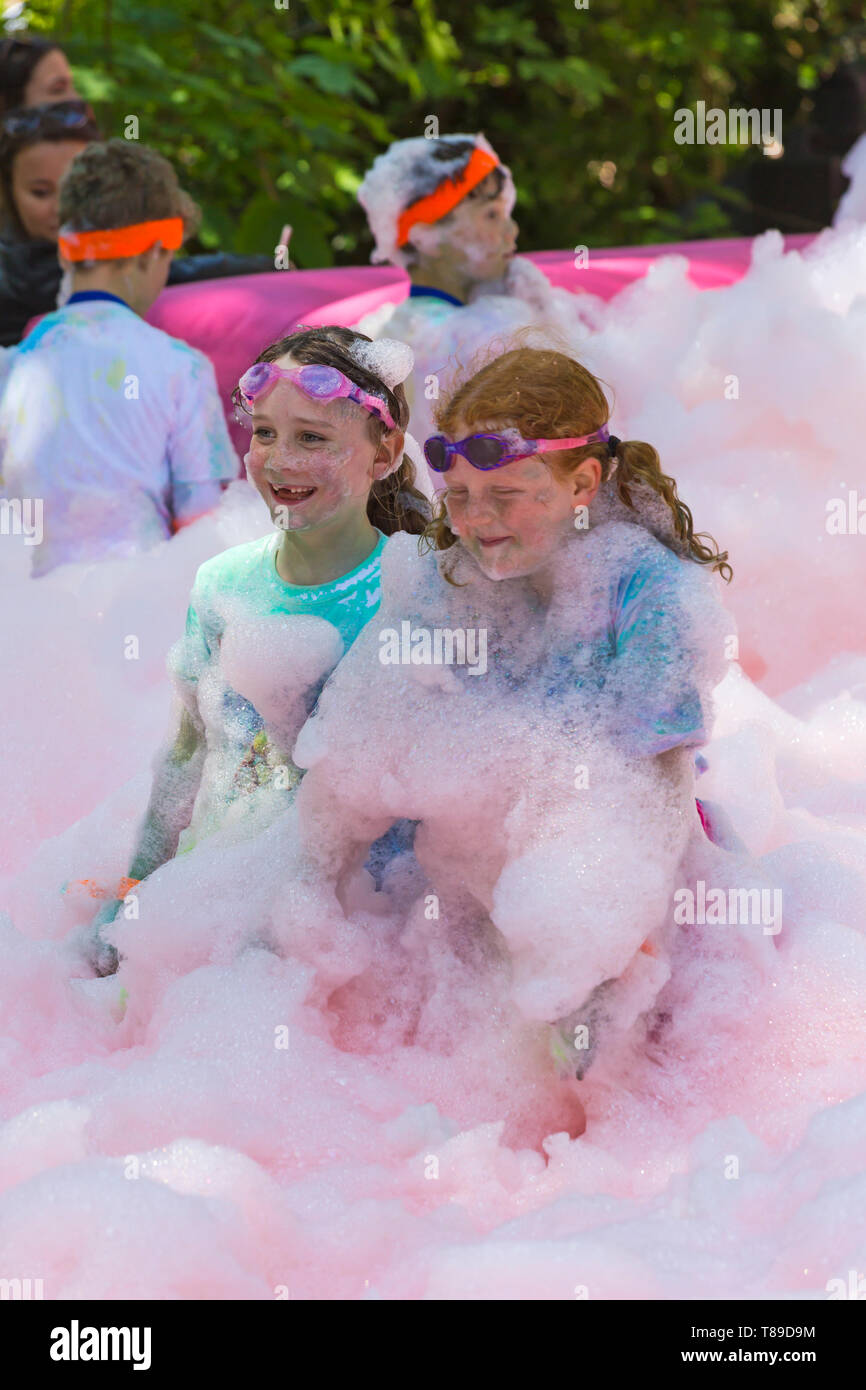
pixel 36 174
pixel 513 519
pixel 50 80
pixel 314 462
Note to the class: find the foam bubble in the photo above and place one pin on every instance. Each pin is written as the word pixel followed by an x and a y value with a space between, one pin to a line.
pixel 390 360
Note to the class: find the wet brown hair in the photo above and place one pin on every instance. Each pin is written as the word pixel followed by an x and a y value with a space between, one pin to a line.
pixel 394 504
pixel 547 394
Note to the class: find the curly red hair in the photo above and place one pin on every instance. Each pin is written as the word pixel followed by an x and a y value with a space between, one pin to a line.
pixel 547 394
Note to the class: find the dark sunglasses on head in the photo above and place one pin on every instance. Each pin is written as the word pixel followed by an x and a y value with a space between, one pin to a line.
pixel 70 115
pixel 8 47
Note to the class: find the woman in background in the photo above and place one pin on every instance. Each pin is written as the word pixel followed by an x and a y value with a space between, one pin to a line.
pixel 37 145
pixel 33 72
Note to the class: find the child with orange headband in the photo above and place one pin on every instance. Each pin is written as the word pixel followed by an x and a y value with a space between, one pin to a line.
pixel 114 425
pixel 442 209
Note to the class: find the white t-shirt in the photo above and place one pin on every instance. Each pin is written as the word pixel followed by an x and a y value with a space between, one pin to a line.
pixel 115 427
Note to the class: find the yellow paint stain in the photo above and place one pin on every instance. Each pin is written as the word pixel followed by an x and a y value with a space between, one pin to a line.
pixel 115 374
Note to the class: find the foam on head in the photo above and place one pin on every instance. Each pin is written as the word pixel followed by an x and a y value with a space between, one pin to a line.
pixel 387 358
pixel 407 171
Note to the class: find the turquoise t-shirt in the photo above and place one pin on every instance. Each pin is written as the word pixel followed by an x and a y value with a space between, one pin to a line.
pixel 638 661
pixel 234 591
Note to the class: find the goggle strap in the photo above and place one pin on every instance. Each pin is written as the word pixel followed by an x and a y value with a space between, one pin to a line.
pixel 546 446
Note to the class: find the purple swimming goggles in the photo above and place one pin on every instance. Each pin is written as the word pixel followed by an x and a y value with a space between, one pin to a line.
pixel 320 383
pixel 486 451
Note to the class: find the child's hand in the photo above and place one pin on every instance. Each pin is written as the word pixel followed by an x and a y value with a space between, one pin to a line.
pixel 574 1039
pixel 99 953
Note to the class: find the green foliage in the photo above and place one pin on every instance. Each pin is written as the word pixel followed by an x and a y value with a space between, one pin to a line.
pixel 272 114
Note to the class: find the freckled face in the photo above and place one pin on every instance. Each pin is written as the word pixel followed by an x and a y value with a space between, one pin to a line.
pixel 311 460
pixel 511 519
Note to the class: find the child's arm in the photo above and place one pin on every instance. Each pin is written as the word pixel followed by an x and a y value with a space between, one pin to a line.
pixel 177 777
pixel 193 500
pixel 669 654
pixel 202 461
pixel 176 781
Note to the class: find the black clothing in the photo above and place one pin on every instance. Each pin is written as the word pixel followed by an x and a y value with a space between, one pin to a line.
pixel 30 278
pixel 29 281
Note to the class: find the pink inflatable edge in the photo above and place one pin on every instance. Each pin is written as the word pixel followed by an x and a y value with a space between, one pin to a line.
pixel 233 319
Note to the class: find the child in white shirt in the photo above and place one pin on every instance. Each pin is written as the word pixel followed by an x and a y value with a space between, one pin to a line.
pixel 116 428
pixel 443 210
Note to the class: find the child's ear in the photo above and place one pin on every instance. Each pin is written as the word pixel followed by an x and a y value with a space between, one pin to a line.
pixel 427 238
pixel 389 450
pixel 587 477
pixel 146 259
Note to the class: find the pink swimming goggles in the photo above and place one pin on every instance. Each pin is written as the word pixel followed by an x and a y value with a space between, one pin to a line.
pixel 319 382
pixel 486 451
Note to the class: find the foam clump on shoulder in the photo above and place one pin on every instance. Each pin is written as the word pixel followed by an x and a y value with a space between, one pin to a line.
pixel 521 307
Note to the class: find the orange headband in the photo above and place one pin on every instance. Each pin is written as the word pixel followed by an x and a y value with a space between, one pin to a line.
pixel 447 195
pixel 115 243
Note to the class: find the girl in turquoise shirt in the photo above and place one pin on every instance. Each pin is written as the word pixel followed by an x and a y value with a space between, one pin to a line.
pixel 328 417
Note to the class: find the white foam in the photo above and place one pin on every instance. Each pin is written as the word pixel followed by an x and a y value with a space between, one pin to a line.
pixel 390 360
pixel 359 1103
pixel 852 204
